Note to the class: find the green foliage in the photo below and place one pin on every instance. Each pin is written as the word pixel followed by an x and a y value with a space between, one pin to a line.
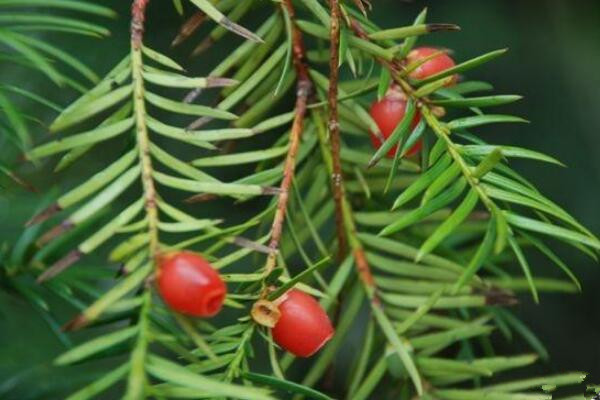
pixel 19 25
pixel 439 257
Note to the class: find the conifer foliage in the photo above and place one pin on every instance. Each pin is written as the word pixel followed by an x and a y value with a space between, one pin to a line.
pixel 408 253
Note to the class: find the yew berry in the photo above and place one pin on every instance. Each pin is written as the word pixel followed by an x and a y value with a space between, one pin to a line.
pixel 438 63
pixel 303 326
pixel 387 114
pixel 190 285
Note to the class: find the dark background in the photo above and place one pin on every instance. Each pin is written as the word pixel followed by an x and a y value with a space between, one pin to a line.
pixel 553 62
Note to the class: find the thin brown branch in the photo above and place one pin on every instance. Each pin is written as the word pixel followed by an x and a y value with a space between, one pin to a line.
pixel 299 54
pixel 334 126
pixel 363 268
pixel 303 89
pixel 138 17
pixel 334 164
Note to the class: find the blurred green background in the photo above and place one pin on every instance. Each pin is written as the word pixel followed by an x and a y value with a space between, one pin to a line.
pixel 553 62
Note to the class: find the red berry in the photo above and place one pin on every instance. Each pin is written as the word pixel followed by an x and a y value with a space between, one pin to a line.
pixel 387 113
pixel 303 327
pixel 190 285
pixel 437 64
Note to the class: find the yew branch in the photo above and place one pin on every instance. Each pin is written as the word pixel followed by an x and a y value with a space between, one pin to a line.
pixel 303 90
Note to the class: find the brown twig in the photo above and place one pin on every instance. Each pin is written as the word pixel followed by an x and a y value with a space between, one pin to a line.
pixel 363 268
pixel 304 87
pixel 334 126
pixel 138 17
pixel 342 204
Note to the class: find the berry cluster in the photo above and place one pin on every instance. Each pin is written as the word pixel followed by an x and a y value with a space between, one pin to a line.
pixel 389 111
pixel 191 286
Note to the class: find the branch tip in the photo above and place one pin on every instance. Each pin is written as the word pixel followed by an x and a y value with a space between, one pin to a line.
pixel 216 81
pixel 240 30
pixel 202 47
pixel 500 297
pixel 273 191
pixel 53 233
pixel 60 266
pixel 75 324
pixel 189 27
pixel 44 215
pixel 442 27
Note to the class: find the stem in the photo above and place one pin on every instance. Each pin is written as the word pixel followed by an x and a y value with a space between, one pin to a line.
pixel 443 133
pixel 334 127
pixel 304 87
pixel 137 34
pixel 233 370
pixel 358 252
pixel 137 375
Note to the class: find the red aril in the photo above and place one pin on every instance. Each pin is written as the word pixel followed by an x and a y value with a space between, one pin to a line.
pixel 387 114
pixel 303 326
pixel 190 285
pixel 435 65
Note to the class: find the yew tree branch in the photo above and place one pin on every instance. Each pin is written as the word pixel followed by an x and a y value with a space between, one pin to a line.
pixel 303 89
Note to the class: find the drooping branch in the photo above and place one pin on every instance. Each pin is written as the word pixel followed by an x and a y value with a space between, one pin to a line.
pixel 334 126
pixel 303 90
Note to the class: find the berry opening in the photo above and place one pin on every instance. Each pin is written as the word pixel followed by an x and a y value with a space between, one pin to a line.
pixel 213 301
